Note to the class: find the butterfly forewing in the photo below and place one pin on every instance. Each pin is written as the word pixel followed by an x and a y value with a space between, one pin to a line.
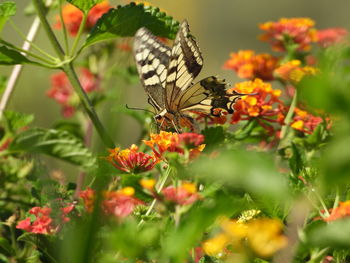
pixel 152 60
pixel 185 64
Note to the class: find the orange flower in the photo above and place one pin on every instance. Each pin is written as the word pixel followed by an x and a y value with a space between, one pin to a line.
pixel 72 17
pixel 330 36
pixel 264 106
pixel 173 142
pixel 249 65
pixel 88 197
pixel 132 161
pixel 288 31
pixel 304 121
pixel 292 71
pixel 219 117
pixel 343 210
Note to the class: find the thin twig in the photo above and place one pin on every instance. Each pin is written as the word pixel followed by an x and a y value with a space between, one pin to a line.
pixel 18 68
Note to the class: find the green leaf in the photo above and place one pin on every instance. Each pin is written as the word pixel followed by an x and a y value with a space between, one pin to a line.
pixel 85 5
pixel 17 120
pixel 335 235
pixel 3 83
pixel 7 9
pixel 10 56
pixel 213 136
pixel 56 143
pixel 5 246
pixel 125 21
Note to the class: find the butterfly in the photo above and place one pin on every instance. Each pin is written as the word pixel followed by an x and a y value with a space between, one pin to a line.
pixel 167 75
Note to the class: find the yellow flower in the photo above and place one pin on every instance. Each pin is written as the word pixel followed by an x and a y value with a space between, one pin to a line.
pixel 147 183
pixel 215 245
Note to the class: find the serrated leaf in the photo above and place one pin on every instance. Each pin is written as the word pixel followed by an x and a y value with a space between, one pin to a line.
pixel 84 5
pixel 10 56
pixel 7 9
pixel 126 20
pixel 17 120
pixel 56 143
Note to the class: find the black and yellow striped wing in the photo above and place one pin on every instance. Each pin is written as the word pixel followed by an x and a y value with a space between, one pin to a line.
pixel 152 60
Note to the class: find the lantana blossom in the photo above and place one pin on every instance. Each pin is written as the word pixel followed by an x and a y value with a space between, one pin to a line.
pixel 119 203
pixel 130 160
pixel 73 16
pixel 289 31
pixel 184 194
pixel 304 121
pixel 63 93
pixel 293 71
pixel 263 105
pixel 249 65
pixel 341 211
pixel 330 36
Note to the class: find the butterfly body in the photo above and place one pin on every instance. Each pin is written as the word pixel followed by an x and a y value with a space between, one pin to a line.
pixel 167 75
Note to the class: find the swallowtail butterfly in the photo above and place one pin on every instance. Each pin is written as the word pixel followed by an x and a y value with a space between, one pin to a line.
pixel 167 74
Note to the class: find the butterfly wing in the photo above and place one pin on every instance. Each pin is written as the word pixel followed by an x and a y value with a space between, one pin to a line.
pixel 185 64
pixel 207 95
pixel 152 60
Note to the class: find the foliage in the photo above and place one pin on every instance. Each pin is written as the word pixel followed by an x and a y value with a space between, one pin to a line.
pixel 266 181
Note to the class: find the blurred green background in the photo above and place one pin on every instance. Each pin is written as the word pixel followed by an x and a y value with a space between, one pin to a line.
pixel 220 27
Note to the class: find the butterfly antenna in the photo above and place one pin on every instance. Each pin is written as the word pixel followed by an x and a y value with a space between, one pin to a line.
pixel 131 108
pixel 172 121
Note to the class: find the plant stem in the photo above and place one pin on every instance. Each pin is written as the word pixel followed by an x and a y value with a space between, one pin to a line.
pixel 67 67
pixel 25 38
pixel 18 68
pixel 65 35
pixel 40 8
pixel 73 78
pixel 159 188
pixel 289 116
pixel 80 31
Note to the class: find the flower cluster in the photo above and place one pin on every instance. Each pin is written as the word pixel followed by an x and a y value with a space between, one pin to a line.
pixel 289 31
pixel 43 222
pixel 330 36
pixel 185 194
pixel 263 236
pixel 62 91
pixel 292 71
pixel 119 203
pixel 249 65
pixel 72 17
pixel 132 161
pixel 263 105
pixel 304 121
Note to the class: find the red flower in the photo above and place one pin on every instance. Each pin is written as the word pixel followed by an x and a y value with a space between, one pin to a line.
pixel 118 203
pixel 330 36
pixel 72 17
pixel 132 161
pixel 185 194
pixel 219 118
pixel 288 31
pixel 304 121
pixel 62 91
pixel 264 106
pixel 25 225
pixel 249 65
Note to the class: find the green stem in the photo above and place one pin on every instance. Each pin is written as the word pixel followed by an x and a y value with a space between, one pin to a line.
pixel 80 31
pixel 24 37
pixel 28 53
pixel 322 203
pixel 41 11
pixel 73 78
pixel 68 68
pixel 336 200
pixel 65 35
pixel 158 189
pixel 288 118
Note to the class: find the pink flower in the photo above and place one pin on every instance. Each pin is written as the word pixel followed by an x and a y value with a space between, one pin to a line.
pixel 119 204
pixel 185 194
pixel 331 36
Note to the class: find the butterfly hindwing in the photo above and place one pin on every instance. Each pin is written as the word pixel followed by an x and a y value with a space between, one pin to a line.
pixel 152 60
